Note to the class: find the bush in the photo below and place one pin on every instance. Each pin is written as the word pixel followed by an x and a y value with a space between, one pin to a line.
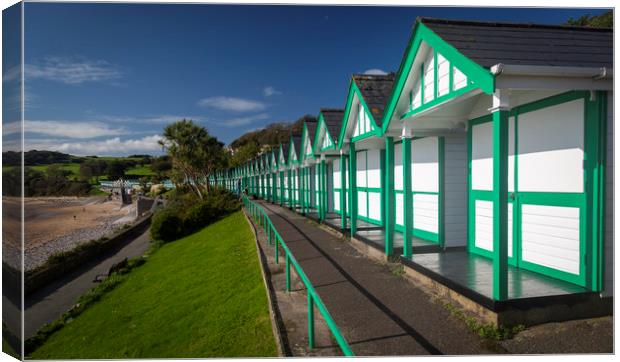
pixel 184 214
pixel 166 225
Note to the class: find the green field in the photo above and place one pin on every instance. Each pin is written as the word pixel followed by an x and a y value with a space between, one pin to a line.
pixel 200 296
pixel 74 168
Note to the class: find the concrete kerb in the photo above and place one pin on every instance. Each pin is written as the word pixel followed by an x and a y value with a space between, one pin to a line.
pixel 276 318
pixel 291 307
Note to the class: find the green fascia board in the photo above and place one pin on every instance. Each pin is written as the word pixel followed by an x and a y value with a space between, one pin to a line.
pixel 481 77
pixel 291 148
pixel 438 101
pixel 304 137
pixel 320 123
pixel 354 90
pixel 317 146
pixel 280 156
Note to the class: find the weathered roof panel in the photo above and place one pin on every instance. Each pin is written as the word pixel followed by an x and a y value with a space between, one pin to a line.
pixel 490 43
pixel 333 121
pixel 376 90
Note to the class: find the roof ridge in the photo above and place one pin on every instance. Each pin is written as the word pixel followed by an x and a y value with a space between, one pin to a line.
pixel 362 76
pixel 424 19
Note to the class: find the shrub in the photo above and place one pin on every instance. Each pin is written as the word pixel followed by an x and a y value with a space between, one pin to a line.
pixel 184 214
pixel 166 225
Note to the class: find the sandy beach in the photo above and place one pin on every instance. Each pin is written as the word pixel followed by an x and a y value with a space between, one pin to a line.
pixel 55 224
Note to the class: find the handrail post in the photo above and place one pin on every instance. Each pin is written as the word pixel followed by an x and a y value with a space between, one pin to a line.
pixel 288 273
pixel 277 255
pixel 310 321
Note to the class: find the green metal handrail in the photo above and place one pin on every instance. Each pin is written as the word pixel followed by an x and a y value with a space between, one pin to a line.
pixel 260 217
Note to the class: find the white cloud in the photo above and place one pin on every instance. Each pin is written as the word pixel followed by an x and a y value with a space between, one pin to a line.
pixel 72 70
pixel 232 104
pixel 242 121
pixel 109 147
pixel 65 129
pixel 375 71
pixel 271 91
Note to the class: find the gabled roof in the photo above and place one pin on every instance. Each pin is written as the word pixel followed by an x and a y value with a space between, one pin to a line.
pixel 373 92
pixel 311 126
pixel 285 148
pixel 296 142
pixel 329 119
pixel 490 43
pixel 308 133
pixel 333 120
pixel 376 90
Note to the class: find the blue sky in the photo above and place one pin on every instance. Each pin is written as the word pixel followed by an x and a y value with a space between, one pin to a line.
pixel 106 78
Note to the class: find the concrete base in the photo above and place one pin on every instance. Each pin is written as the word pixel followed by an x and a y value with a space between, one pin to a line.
pixel 369 250
pixel 528 312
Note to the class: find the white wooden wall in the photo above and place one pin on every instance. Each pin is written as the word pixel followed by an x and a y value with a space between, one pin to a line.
pixel 425 178
pixel 455 190
pixel 336 184
pixel 362 122
pixel 551 142
pixel 398 183
pixel 482 180
pixel 368 175
pixel 316 184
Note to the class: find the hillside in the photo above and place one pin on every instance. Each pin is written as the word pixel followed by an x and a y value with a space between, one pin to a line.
pixel 272 134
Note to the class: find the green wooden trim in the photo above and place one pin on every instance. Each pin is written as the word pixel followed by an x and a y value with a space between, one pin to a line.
pixel 474 72
pixel 390 200
pixel 407 198
pixel 599 262
pixel 500 205
pixel 426 235
pixel 437 101
pixel 343 187
pixel 353 187
pixel 376 130
pixel 548 102
pixel 317 145
pixel 291 148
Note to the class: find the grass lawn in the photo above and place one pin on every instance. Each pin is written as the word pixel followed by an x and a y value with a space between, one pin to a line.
pixel 200 296
pixel 144 170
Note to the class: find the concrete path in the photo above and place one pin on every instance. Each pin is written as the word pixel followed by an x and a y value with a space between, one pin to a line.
pixel 50 302
pixel 378 312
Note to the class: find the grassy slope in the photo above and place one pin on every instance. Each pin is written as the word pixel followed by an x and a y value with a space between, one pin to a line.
pixel 200 296
pixel 74 168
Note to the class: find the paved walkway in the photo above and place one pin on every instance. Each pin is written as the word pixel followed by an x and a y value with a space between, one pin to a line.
pixel 50 302
pixel 378 312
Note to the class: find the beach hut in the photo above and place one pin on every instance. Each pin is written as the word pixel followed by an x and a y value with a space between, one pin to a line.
pixel 308 168
pixel 331 194
pixel 506 157
pixel 361 138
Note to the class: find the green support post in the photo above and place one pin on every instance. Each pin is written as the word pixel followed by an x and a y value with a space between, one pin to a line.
pixel 310 321
pixel 290 191
pixel 277 252
pixel 500 204
pixel 353 187
pixel 407 197
pixel 343 183
pixel 323 193
pixel 281 188
pixel 390 202
pixel 288 274
pixel 302 190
